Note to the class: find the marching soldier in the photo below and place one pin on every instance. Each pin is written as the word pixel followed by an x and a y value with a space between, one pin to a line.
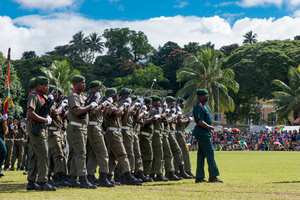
pixel 181 125
pixel 113 136
pixel 38 155
pixel 77 134
pixel 3 150
pixel 9 142
pixel 175 148
pixel 157 142
pixel 97 150
pixel 19 145
pixel 55 139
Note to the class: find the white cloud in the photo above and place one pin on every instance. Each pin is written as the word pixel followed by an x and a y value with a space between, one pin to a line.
pixel 294 2
pixel 257 3
pixel 42 34
pixel 181 4
pixel 45 4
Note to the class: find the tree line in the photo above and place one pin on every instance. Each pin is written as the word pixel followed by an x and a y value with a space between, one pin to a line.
pixel 237 76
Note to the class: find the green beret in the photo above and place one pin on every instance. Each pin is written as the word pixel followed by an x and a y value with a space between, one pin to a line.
pixel 180 100
pixel 126 91
pixel 60 91
pixel 77 79
pixel 202 92
pixel 170 99
pixel 94 83
pixel 134 97
pixel 155 98
pixel 110 91
pixel 147 100
pixel 41 80
pixel 32 83
pixel 51 87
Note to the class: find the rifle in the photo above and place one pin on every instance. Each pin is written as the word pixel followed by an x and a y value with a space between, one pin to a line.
pixel 60 102
pixel 111 95
pixel 91 98
pixel 189 114
pixel 43 113
pixel 141 97
pixel 125 100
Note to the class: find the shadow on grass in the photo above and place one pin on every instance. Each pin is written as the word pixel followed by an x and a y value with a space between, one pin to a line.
pixel 12 188
pixel 287 182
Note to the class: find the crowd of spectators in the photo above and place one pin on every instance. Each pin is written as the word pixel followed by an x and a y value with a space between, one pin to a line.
pixel 252 141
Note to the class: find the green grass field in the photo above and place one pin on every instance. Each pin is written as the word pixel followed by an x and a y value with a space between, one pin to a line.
pixel 246 175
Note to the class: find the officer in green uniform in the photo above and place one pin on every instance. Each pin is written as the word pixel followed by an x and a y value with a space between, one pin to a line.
pixel 9 142
pixel 77 134
pixel 19 145
pixel 175 148
pixel 203 133
pixel 114 139
pixel 181 125
pixel 157 141
pixel 97 150
pixel 55 139
pixel 38 155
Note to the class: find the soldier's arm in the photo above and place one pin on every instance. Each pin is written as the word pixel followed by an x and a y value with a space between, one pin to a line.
pixel 35 117
pixel 81 110
pixel 105 111
pixel 14 132
pixel 57 111
pixel 125 115
pixel 118 111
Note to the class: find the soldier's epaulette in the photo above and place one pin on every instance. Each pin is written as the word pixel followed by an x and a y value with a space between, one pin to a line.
pixel 200 104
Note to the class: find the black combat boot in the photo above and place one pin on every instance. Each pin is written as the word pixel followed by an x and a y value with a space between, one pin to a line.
pixel 74 182
pixel 92 179
pixel 183 174
pixel 173 177
pixel 84 183
pixel 109 178
pixel 32 186
pixel 191 174
pixel 43 186
pixel 103 181
pixel 140 175
pixel 131 180
pixel 161 177
pixel 62 180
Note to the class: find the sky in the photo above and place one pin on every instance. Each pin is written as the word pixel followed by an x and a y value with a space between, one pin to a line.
pixel 41 25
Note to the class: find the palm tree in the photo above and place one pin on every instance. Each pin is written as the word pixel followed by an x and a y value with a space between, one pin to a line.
pixel 93 41
pixel 204 71
pixel 59 75
pixel 288 100
pixel 250 38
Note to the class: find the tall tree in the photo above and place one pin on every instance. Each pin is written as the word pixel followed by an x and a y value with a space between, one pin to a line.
pixel 140 46
pixel 192 47
pixel 287 99
pixel 250 38
pixel 60 75
pixel 203 70
pixel 94 44
pixel 29 54
pixel 117 41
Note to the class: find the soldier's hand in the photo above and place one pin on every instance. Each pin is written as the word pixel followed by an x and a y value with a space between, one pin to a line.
pixel 146 113
pixel 191 118
pixel 98 96
pixel 126 104
pixel 105 103
pixel 50 96
pixel 12 126
pixel 64 103
pixel 137 104
pixel 173 115
pixel 157 117
pixel 179 113
pixel 94 104
pixel 167 110
pixel 110 99
pixel 49 120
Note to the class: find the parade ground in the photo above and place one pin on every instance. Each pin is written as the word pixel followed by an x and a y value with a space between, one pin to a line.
pixel 246 175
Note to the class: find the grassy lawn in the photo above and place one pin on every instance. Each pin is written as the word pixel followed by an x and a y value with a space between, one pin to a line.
pixel 246 175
